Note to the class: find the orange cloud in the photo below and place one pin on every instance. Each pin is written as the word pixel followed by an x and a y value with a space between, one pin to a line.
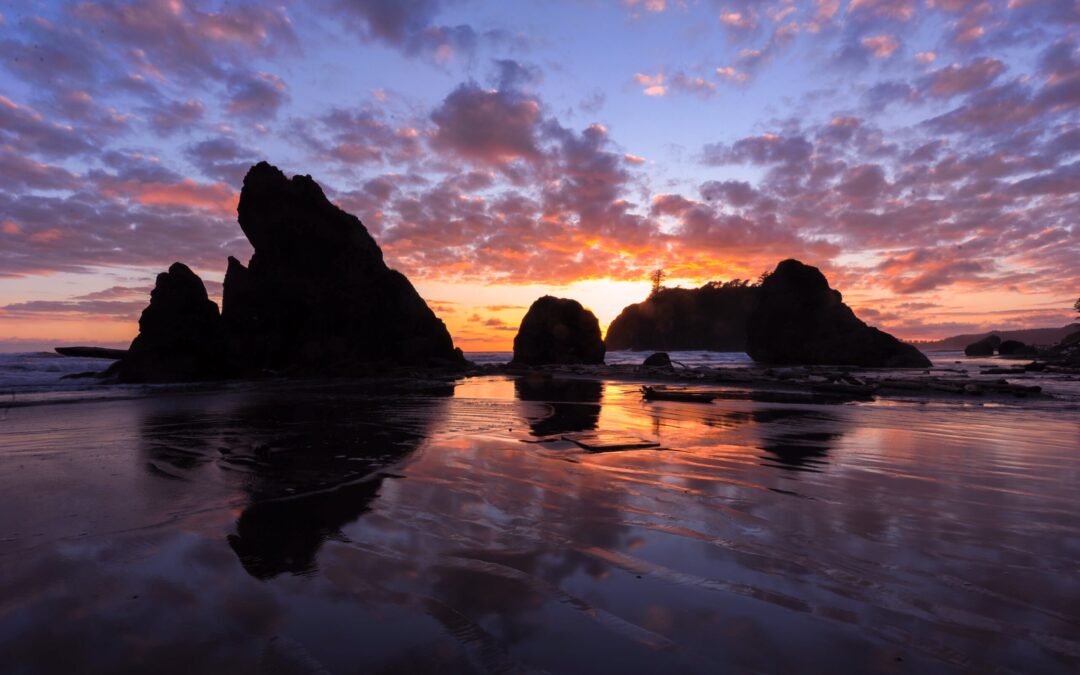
pixel 881 46
pixel 215 197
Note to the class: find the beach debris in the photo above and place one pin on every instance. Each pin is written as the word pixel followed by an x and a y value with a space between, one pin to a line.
pixel 92 352
pixel 662 394
pixel 606 441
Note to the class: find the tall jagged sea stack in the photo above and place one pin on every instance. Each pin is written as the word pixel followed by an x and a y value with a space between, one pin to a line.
pixel 316 296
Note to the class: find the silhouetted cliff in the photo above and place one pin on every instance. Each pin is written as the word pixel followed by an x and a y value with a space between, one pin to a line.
pixel 798 319
pixel 712 317
pixel 316 296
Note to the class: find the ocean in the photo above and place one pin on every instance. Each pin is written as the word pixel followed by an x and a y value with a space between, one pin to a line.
pixel 39 377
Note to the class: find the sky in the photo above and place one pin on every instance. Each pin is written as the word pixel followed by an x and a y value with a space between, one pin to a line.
pixel 922 153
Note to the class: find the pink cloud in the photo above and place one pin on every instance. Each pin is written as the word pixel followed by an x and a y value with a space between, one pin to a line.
pixel 487 126
pixel 956 79
pixel 881 46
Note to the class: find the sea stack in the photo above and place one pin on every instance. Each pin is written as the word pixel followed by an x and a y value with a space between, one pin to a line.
pixel 316 294
pixel 983 347
pixel 180 338
pixel 558 330
pixel 712 317
pixel 798 319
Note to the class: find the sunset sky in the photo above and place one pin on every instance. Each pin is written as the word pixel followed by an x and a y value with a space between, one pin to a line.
pixel 923 153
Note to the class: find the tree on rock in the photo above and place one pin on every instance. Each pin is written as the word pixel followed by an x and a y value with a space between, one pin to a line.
pixel 657 279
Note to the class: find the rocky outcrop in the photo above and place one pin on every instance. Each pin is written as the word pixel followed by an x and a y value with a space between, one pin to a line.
pixel 180 337
pixel 1015 348
pixel 712 317
pixel 798 319
pixel 316 297
pixel 316 294
pixel 983 347
pixel 658 360
pixel 557 330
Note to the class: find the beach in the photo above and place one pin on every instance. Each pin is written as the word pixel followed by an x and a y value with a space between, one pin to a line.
pixel 448 526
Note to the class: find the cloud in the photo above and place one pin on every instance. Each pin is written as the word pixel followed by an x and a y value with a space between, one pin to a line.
pixel 27 131
pixel 765 149
pixel 186 193
pixel 221 158
pixel 661 84
pixel 255 95
pixel 176 115
pixel 956 79
pixel 487 126
pixel 408 25
pixel 649 6
pixel 881 46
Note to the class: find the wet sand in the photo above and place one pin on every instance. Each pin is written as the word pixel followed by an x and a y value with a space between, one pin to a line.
pixel 333 527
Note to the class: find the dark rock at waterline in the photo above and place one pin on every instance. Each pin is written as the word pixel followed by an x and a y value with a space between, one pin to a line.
pixel 180 335
pixel 658 360
pixel 798 319
pixel 983 347
pixel 92 352
pixel 711 317
pixel 1014 348
pixel 558 330
pixel 316 294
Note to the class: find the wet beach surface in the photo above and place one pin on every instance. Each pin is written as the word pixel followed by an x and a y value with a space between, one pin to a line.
pixel 337 527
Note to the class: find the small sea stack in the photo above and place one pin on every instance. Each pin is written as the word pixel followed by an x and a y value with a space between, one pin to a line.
pixel 983 347
pixel 180 337
pixel 558 331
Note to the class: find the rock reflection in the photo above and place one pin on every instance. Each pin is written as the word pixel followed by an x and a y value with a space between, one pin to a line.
pixel 796 439
pixel 277 536
pixel 308 462
pixel 575 404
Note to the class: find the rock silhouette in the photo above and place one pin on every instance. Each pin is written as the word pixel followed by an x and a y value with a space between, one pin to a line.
pixel 658 360
pixel 983 347
pixel 712 317
pixel 180 337
pixel 557 330
pixel 316 294
pixel 798 319
pixel 316 297
pixel 1015 348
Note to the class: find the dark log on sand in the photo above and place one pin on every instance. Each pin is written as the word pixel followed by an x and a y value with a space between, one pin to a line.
pixel 92 352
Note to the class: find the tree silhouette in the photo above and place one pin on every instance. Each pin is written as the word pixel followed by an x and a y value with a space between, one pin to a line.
pixel 657 277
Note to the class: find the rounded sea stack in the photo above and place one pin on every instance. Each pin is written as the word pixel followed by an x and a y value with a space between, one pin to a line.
pixel 558 330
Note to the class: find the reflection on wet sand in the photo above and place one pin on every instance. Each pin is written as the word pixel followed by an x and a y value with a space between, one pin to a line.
pixel 352 530
pixel 574 404
pixel 308 464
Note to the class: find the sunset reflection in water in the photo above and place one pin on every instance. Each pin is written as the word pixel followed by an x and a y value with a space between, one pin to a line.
pixel 469 536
